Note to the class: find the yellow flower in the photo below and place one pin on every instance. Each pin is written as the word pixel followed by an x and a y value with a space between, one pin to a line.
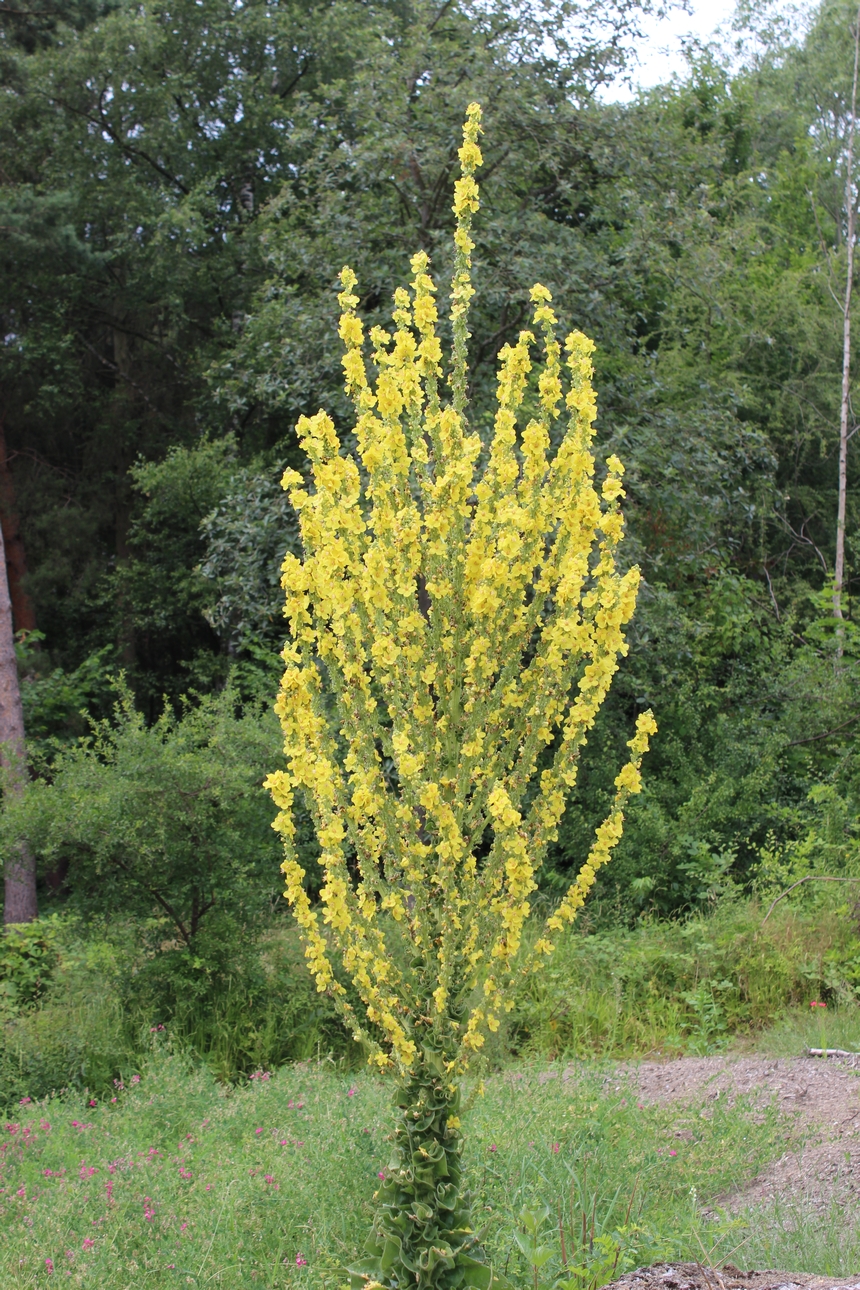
pixel 455 624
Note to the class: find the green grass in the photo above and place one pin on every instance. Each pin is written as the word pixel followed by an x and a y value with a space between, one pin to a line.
pixel 800 1237
pixel 805 1027
pixel 184 1181
pixel 171 1184
pixel 691 986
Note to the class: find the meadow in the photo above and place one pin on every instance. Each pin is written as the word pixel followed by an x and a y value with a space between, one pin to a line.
pixel 176 1179
pixel 237 1140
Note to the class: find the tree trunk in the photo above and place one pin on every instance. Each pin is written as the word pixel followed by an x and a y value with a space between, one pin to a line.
pixel 851 211
pixel 23 614
pixel 20 887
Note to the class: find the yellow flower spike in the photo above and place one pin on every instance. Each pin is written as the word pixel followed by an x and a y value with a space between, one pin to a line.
pixel 455 624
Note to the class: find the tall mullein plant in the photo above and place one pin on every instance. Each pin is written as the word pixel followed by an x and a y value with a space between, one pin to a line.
pixel 454 629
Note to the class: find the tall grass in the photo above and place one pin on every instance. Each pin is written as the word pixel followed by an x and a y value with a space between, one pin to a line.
pixel 687 987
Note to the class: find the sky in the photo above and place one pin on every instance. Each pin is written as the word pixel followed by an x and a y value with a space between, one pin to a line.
pixel 660 52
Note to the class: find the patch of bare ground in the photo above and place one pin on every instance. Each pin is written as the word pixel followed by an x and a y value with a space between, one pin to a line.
pixel 692 1276
pixel 820 1096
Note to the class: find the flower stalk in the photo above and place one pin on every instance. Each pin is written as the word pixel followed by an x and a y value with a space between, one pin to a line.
pixel 454 628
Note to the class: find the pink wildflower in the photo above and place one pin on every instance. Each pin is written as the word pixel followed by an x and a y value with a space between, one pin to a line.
pixel 24 1101
pixel 818 1005
pixel 673 1153
pixel 49 1264
pixel 493 1147
pixel 301 1261
pixel 88 1243
pixel 148 1211
pixel 352 1092
pixel 556 1147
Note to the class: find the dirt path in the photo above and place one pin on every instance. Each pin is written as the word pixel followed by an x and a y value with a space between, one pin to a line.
pixel 692 1276
pixel 823 1095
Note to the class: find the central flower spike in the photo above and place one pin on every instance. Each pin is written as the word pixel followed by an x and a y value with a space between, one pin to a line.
pixel 454 627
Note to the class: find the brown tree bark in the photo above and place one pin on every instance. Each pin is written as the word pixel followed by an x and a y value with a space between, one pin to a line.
pixel 20 905
pixel 23 614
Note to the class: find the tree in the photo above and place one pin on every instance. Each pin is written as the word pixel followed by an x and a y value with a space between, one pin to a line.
pixel 844 407
pixel 20 904
pixel 454 630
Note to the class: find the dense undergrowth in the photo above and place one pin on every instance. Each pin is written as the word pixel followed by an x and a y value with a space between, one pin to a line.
pixel 81 1003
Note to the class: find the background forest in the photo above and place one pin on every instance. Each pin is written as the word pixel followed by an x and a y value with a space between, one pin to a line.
pixel 180 184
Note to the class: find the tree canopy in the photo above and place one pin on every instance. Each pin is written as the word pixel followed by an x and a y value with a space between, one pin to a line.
pixel 181 183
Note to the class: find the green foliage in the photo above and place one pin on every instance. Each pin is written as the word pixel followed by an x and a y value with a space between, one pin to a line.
pixel 166 265
pixel 246 536
pixel 84 1009
pixel 168 817
pixel 81 1004
pixel 56 703
pixel 28 955
pixel 688 987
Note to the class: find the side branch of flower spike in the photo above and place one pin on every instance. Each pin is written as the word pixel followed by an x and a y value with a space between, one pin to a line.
pixel 455 626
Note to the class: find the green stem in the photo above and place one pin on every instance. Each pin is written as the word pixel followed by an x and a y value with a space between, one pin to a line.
pixel 422 1235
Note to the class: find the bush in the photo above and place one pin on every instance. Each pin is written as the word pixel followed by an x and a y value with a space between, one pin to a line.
pixel 114 991
pixel 28 955
pixel 168 819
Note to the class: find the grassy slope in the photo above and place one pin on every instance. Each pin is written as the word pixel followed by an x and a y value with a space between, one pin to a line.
pixel 182 1178
pixel 303 1185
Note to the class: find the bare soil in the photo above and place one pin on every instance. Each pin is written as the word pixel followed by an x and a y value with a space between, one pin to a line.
pixel 821 1096
pixel 692 1276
